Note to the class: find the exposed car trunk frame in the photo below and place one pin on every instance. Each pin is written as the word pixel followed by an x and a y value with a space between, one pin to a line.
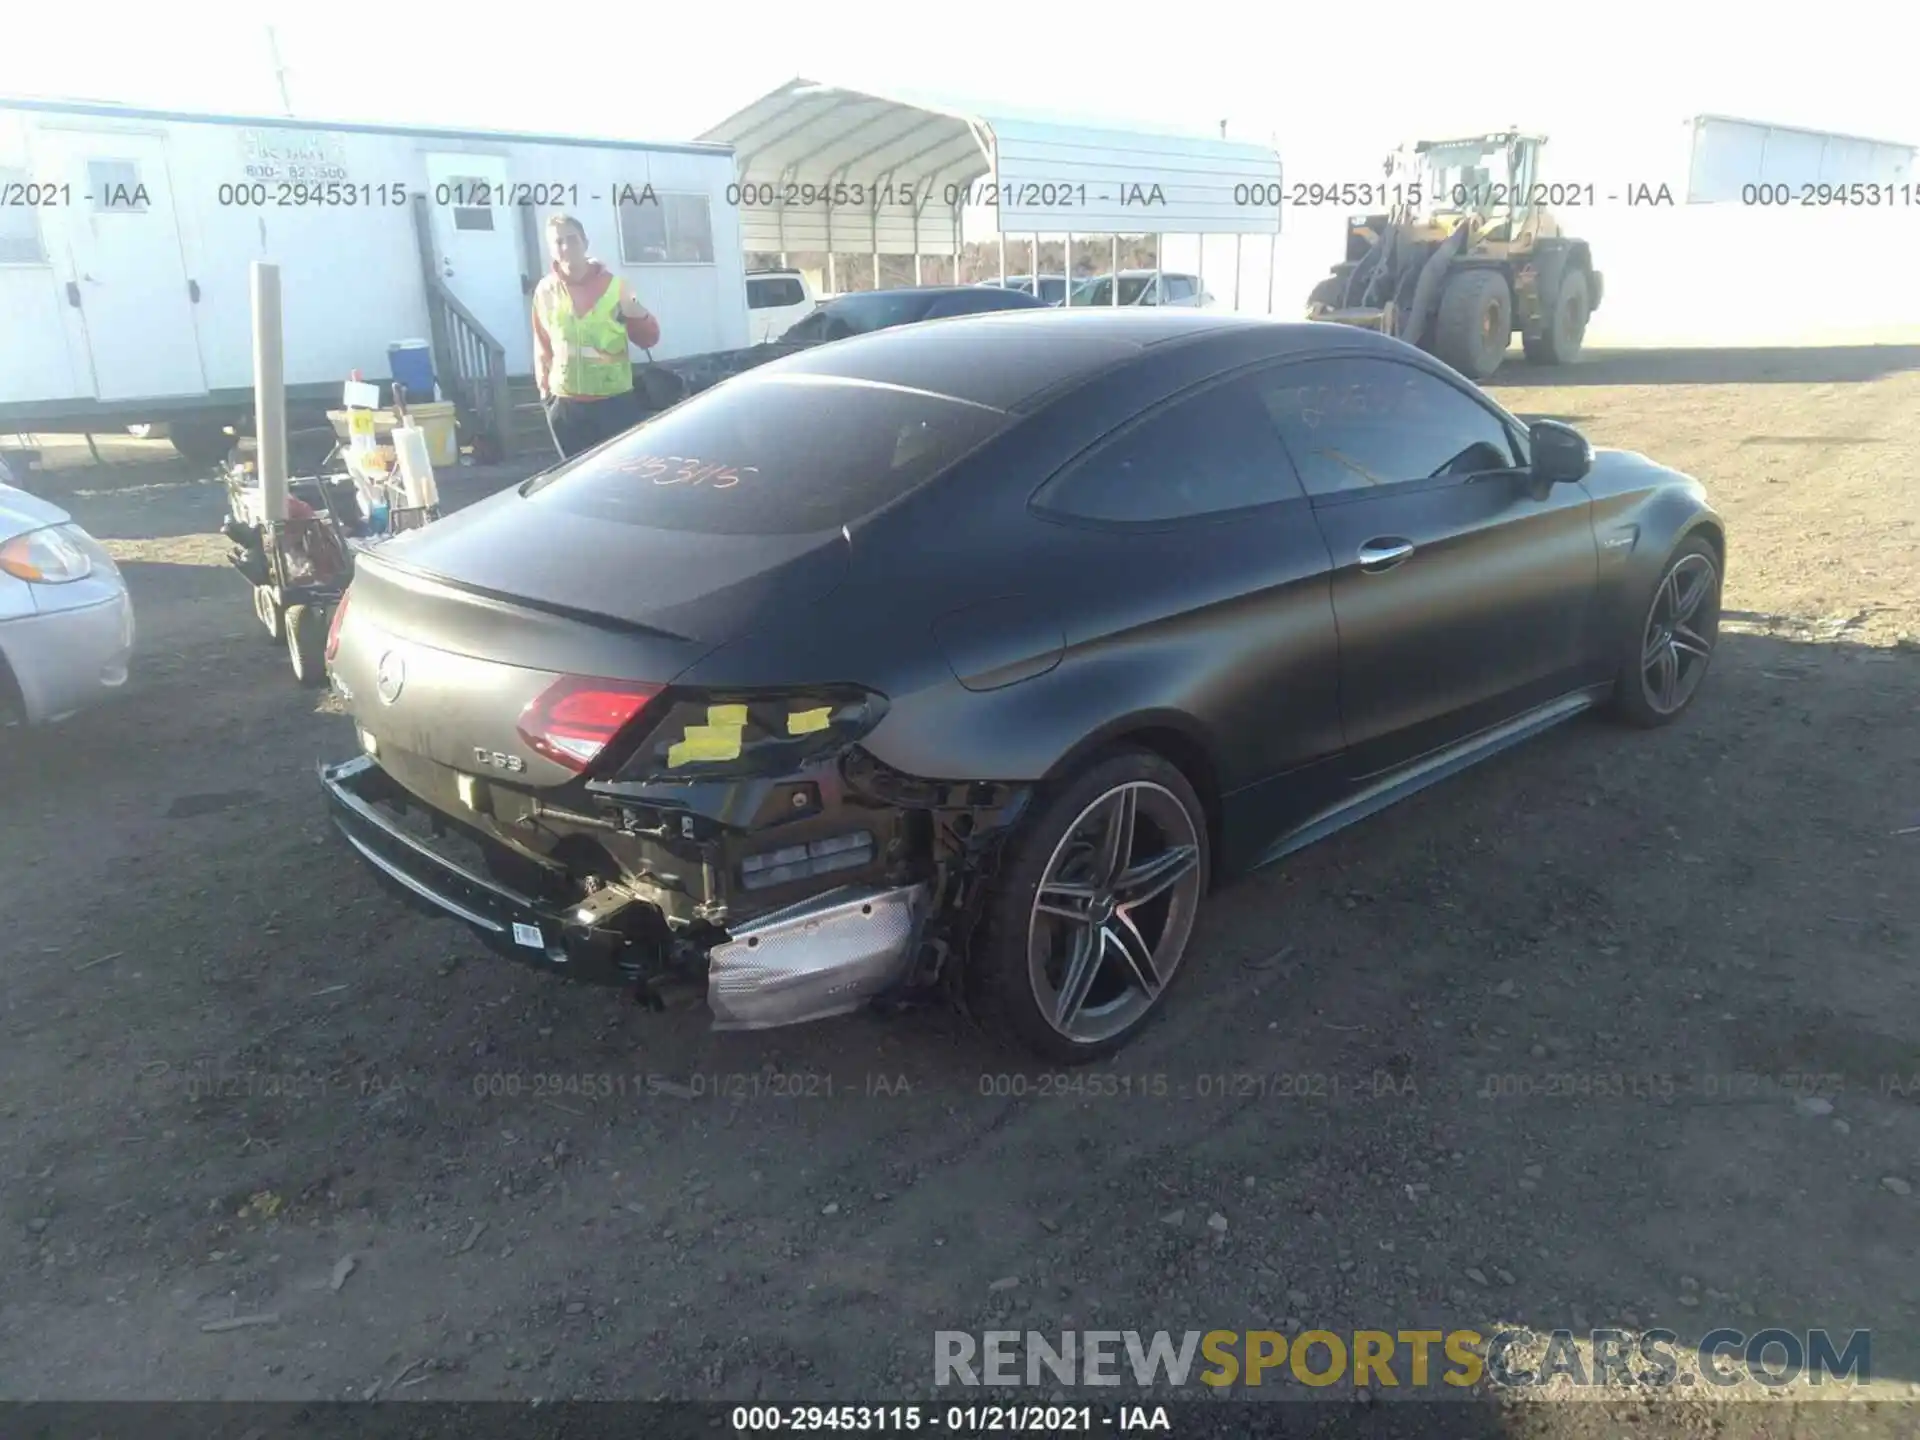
pixel 713 885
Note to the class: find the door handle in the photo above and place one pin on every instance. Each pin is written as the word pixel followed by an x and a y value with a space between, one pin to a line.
pixel 193 291
pixel 1378 555
pixel 73 295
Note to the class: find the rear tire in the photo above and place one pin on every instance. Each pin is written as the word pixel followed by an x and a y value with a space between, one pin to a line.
pixel 1566 331
pixel 306 627
pixel 1475 322
pixel 200 442
pixel 1022 980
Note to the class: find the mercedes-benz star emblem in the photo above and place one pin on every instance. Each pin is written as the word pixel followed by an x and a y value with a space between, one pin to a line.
pixel 392 676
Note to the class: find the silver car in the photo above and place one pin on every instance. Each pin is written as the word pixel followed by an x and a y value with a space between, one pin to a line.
pixel 66 624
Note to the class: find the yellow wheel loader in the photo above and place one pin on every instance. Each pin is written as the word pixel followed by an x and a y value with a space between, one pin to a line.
pixel 1468 250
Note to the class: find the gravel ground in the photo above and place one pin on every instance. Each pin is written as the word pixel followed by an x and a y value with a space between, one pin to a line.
pixel 1615 1030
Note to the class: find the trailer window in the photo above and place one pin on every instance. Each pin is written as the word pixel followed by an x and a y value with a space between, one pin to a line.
pixel 665 228
pixel 19 224
pixel 472 217
pixel 787 455
pixel 115 185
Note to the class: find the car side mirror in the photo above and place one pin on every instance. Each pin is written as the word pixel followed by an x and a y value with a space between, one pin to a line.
pixel 1561 454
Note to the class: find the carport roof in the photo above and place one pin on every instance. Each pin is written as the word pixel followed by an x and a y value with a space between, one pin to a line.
pixel 827 166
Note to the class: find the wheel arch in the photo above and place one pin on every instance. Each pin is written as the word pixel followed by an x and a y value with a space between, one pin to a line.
pixel 1174 736
pixel 1708 528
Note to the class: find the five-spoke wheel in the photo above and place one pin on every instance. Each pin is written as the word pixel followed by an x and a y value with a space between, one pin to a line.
pixel 1087 929
pixel 1673 644
pixel 1113 912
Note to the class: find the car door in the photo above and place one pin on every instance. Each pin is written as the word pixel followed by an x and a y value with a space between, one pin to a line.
pixel 1208 589
pixel 1461 589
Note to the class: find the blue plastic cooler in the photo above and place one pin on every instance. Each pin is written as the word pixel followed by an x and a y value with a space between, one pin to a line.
pixel 410 363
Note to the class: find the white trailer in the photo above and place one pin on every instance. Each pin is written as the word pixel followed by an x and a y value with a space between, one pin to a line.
pixel 126 238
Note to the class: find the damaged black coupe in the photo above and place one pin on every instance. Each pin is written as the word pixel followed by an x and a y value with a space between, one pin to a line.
pixel 962 658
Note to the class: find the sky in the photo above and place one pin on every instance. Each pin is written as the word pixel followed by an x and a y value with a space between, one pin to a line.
pixel 664 73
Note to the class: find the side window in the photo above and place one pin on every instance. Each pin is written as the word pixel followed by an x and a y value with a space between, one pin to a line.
pixel 1208 454
pixel 774 292
pixel 115 185
pixel 20 223
pixel 1179 287
pixel 1356 423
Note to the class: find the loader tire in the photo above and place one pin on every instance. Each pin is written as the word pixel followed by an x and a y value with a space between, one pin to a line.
pixel 1475 322
pixel 1327 293
pixel 1566 332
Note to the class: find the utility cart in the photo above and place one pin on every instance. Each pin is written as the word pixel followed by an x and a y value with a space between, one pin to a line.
pixel 298 567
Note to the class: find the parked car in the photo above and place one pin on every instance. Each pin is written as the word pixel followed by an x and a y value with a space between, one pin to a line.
pixel 1145 287
pixel 974 654
pixel 667 382
pixel 1053 288
pixel 66 623
pixel 864 311
pixel 776 299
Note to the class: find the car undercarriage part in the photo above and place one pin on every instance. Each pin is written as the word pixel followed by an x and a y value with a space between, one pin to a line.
pixel 1468 250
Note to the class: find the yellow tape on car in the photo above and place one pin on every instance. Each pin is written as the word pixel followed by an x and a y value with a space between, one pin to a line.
pixel 806 722
pixel 705 743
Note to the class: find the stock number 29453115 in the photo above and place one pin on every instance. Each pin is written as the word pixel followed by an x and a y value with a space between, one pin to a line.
pixel 1075 1086
pixel 780 1419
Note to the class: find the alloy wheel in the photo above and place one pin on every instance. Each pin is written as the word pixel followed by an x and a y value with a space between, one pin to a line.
pixel 1682 625
pixel 1113 912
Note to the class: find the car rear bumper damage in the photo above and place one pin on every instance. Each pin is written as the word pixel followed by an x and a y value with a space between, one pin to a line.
pixel 855 939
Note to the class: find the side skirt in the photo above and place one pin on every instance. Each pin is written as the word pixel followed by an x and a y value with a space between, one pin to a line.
pixel 1396 785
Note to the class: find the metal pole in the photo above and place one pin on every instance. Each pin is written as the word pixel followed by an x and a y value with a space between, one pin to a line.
pixel 1003 266
pixel 1236 270
pixel 1159 263
pixel 1273 258
pixel 269 390
pixel 1113 265
pixel 1066 264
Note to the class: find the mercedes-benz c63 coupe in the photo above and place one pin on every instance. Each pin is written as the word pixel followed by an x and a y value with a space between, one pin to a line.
pixel 965 658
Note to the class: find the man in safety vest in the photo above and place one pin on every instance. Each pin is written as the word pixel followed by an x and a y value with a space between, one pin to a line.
pixel 584 318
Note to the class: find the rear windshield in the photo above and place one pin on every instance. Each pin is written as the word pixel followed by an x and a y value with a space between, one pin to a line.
pixel 770 455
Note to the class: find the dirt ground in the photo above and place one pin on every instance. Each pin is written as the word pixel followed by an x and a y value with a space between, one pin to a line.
pixel 242 1084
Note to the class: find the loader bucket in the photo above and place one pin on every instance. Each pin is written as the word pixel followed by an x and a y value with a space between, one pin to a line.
pixel 1361 317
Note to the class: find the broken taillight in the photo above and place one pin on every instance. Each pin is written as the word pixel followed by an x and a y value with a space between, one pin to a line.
pixel 571 721
pixel 333 629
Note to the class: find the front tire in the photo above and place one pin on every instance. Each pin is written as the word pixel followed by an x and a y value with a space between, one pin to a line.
pixel 267 610
pixel 1475 323
pixel 1671 646
pixel 1086 930
pixel 306 627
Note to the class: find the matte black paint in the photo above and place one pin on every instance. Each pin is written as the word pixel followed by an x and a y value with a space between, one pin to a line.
pixel 1011 643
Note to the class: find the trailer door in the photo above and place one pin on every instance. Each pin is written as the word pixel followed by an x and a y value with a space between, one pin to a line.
pixel 478 236
pixel 118 241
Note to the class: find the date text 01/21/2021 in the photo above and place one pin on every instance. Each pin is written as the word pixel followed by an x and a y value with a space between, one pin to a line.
pixel 954 1419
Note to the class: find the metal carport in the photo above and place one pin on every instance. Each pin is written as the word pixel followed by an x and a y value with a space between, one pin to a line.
pixel 827 168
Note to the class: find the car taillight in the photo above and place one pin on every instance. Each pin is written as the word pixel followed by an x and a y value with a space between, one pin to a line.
pixel 333 629
pixel 571 721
